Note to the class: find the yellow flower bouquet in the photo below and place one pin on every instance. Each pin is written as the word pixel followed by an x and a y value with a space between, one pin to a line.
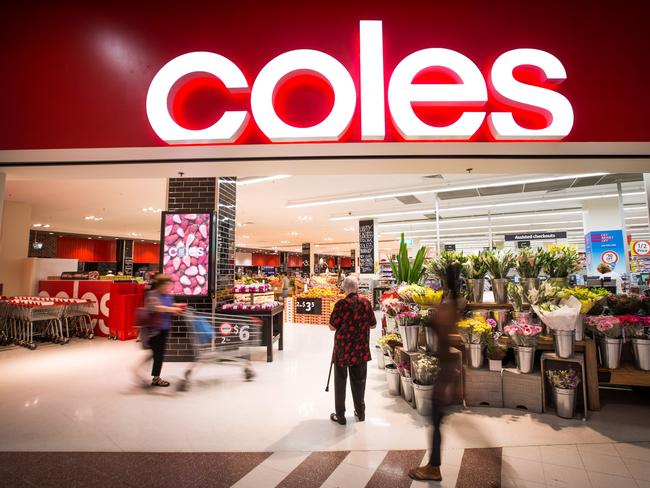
pixel 476 329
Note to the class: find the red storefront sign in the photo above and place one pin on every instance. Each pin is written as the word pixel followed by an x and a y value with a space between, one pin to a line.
pixel 78 76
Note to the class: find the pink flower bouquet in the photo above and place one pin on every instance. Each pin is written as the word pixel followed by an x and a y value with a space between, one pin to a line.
pixel 522 333
pixel 394 306
pixel 606 326
pixel 407 318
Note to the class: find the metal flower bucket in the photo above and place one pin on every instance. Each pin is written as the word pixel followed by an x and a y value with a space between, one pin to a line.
pixel 475 354
pixel 564 341
pixel 500 288
pixel 393 379
pixel 430 339
pixel 475 287
pixel 580 327
pixel 409 335
pixel 423 399
pixel 641 348
pixel 528 284
pixel 407 388
pixel 525 359
pixel 610 352
pixel 565 402
pixel 381 358
pixel 501 317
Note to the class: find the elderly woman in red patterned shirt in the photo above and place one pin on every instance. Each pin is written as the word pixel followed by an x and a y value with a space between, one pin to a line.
pixel 352 319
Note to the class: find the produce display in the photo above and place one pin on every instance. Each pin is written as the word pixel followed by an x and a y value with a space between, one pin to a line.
pixel 252 288
pixel 251 306
pixel 322 292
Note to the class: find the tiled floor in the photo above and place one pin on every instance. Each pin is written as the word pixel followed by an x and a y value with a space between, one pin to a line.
pixel 81 397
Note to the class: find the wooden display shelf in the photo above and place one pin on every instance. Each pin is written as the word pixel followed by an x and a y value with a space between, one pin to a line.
pixel 626 375
pixel 488 306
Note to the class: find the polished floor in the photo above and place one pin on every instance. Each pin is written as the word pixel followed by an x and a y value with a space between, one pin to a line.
pixel 81 398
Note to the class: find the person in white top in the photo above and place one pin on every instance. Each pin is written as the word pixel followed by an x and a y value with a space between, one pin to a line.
pixel 606 272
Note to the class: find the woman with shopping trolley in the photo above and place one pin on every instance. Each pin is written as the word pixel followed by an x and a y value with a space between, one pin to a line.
pixel 158 309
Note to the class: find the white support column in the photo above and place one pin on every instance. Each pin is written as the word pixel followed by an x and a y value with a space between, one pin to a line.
pixel 3 180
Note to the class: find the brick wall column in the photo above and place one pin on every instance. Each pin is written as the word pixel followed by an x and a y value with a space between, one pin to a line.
pixel 205 195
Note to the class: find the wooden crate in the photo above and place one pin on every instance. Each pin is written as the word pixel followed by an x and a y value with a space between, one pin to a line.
pixel 483 388
pixel 522 391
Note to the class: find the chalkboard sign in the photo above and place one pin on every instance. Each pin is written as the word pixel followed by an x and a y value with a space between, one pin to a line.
pixel 367 246
pixel 450 247
pixel 309 306
pixel 306 265
pixel 523 244
pixel 353 260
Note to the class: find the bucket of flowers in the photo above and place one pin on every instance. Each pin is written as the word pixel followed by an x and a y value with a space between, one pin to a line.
pixel 425 370
pixel 638 329
pixel 565 383
pixel 496 350
pixel 588 298
pixel 474 332
pixel 610 333
pixel 404 369
pixel 408 324
pixel 524 335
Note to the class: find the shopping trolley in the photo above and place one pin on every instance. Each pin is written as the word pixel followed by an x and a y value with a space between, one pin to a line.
pixel 218 338
pixel 77 317
pixel 30 318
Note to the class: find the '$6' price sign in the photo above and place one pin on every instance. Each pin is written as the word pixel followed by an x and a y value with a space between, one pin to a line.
pixel 309 306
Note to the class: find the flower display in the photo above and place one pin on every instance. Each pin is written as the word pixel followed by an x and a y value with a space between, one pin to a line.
pixel 476 329
pixel 624 304
pixel 559 317
pixel 499 263
pixel 523 333
pixel 404 369
pixel 425 369
pixel 606 326
pixel 250 306
pixel 636 326
pixel 394 306
pixel 420 295
pixel 588 297
pixel 516 296
pixel 560 261
pixel 566 379
pixel 389 341
pixel 475 268
pixel 496 348
pixel 253 288
pixel 407 318
pixel 529 262
pixel 546 293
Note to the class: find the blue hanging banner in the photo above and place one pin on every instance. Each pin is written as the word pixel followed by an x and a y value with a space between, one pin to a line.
pixel 608 247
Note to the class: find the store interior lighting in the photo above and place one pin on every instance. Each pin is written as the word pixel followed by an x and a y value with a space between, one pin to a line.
pixel 264 179
pixel 415 192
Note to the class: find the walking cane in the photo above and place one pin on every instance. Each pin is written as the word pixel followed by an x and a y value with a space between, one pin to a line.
pixel 327 387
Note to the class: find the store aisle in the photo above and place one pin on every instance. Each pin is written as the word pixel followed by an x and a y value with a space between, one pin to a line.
pixel 80 397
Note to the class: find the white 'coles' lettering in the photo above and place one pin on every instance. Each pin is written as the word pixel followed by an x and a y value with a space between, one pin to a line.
pixel 471 91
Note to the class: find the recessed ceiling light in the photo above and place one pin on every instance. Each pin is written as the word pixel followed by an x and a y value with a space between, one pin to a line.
pixel 89 217
pixel 245 237
pixel 46 226
pixel 328 238
pixel 305 218
pixel 37 225
pixel 152 210
pixel 51 233
pixel 284 242
pixel 89 238
pixel 99 237
pixel 293 233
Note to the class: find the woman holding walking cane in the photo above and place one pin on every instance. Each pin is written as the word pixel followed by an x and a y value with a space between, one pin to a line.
pixel 351 319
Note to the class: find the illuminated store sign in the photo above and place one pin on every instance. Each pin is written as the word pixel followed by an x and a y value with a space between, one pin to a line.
pixel 470 91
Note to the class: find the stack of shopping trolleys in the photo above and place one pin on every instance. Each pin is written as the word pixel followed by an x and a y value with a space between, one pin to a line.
pixel 25 319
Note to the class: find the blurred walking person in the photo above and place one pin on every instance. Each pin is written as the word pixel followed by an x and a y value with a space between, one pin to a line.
pixel 444 323
pixel 155 322
pixel 351 319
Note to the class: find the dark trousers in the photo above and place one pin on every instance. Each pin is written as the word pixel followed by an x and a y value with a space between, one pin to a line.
pixel 158 344
pixel 357 384
pixel 436 416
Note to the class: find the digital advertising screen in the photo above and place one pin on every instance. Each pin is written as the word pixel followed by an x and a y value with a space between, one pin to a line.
pixel 186 244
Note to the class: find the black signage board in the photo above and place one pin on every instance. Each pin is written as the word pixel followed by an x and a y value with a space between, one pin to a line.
pixel 523 244
pixel 309 306
pixel 450 247
pixel 367 246
pixel 306 265
pixel 535 236
pixel 353 259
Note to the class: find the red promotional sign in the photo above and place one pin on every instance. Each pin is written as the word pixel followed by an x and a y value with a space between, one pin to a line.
pixel 100 66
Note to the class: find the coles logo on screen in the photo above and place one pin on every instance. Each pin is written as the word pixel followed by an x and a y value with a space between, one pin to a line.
pixel 470 91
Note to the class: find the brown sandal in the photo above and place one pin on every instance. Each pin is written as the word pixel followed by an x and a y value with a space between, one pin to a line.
pixel 159 382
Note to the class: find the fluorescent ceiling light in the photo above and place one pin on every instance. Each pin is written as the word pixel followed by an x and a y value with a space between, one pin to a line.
pixel 486 205
pixel 403 193
pixel 484 218
pixel 263 179
pixel 411 232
